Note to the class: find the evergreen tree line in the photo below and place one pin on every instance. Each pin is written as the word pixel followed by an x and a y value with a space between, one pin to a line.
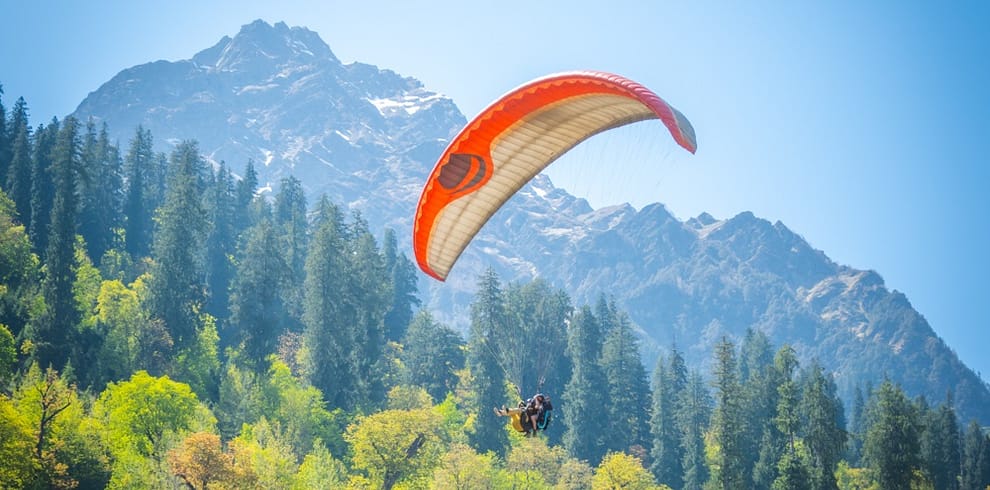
pixel 163 325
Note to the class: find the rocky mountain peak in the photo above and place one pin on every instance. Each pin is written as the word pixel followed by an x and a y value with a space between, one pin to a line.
pixel 260 46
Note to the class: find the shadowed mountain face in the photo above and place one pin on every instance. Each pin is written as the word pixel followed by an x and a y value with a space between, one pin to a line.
pixel 367 138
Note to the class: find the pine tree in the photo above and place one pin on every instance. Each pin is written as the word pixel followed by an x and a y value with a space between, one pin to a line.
pixel 290 220
pixel 329 340
pixel 975 472
pixel 176 288
pixel 669 384
pixel 628 402
pixel 857 424
pixel 368 297
pixel 488 318
pixel 823 425
pixel 55 331
pixel 432 354
pixel 891 446
pixel 246 189
pixel 728 424
pixel 583 404
pixel 18 183
pixel 139 199
pixel 256 304
pixel 403 291
pixel 693 419
pixel 534 344
pixel 792 471
pixel 6 137
pixel 100 195
pixel 42 185
pixel 221 245
pixel 762 379
pixel 940 446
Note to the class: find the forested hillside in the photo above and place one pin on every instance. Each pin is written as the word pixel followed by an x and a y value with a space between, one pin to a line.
pixel 164 325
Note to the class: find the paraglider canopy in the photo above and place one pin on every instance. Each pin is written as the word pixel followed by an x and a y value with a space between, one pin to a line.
pixel 515 138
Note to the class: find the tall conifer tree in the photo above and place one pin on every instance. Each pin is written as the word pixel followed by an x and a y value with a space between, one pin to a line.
pixel 488 318
pixel 975 458
pixel 693 419
pixel 176 288
pixel 404 297
pixel 246 189
pixel 221 244
pixel 728 423
pixel 290 220
pixel 792 471
pixel 940 446
pixel 42 185
pixel 628 388
pixel 891 446
pixel 55 331
pixel 256 304
pixel 823 426
pixel 432 354
pixel 328 338
pixel 100 193
pixel 368 297
pixel 18 183
pixel 583 403
pixel 6 138
pixel 669 384
pixel 139 201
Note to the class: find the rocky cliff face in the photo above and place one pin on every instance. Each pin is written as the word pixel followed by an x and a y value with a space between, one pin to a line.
pixel 367 138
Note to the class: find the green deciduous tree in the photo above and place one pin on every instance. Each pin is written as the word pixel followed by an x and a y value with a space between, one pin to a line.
pixel 20 272
pixel 396 446
pixel 462 468
pixel 145 415
pixel 622 471
pixel 18 468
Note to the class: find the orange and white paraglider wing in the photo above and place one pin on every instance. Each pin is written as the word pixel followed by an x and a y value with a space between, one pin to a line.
pixel 514 139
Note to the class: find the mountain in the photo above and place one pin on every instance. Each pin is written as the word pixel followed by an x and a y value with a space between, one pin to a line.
pixel 367 137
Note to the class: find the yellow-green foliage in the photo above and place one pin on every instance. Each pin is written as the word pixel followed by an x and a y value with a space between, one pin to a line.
pixel 396 445
pixel 462 468
pixel 620 471
pixel 849 478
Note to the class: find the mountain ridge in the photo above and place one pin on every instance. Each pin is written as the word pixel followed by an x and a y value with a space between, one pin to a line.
pixel 367 137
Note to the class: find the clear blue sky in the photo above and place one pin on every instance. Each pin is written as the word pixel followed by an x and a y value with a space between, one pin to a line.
pixel 863 126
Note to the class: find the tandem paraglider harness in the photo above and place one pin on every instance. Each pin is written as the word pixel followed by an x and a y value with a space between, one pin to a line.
pixel 529 407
